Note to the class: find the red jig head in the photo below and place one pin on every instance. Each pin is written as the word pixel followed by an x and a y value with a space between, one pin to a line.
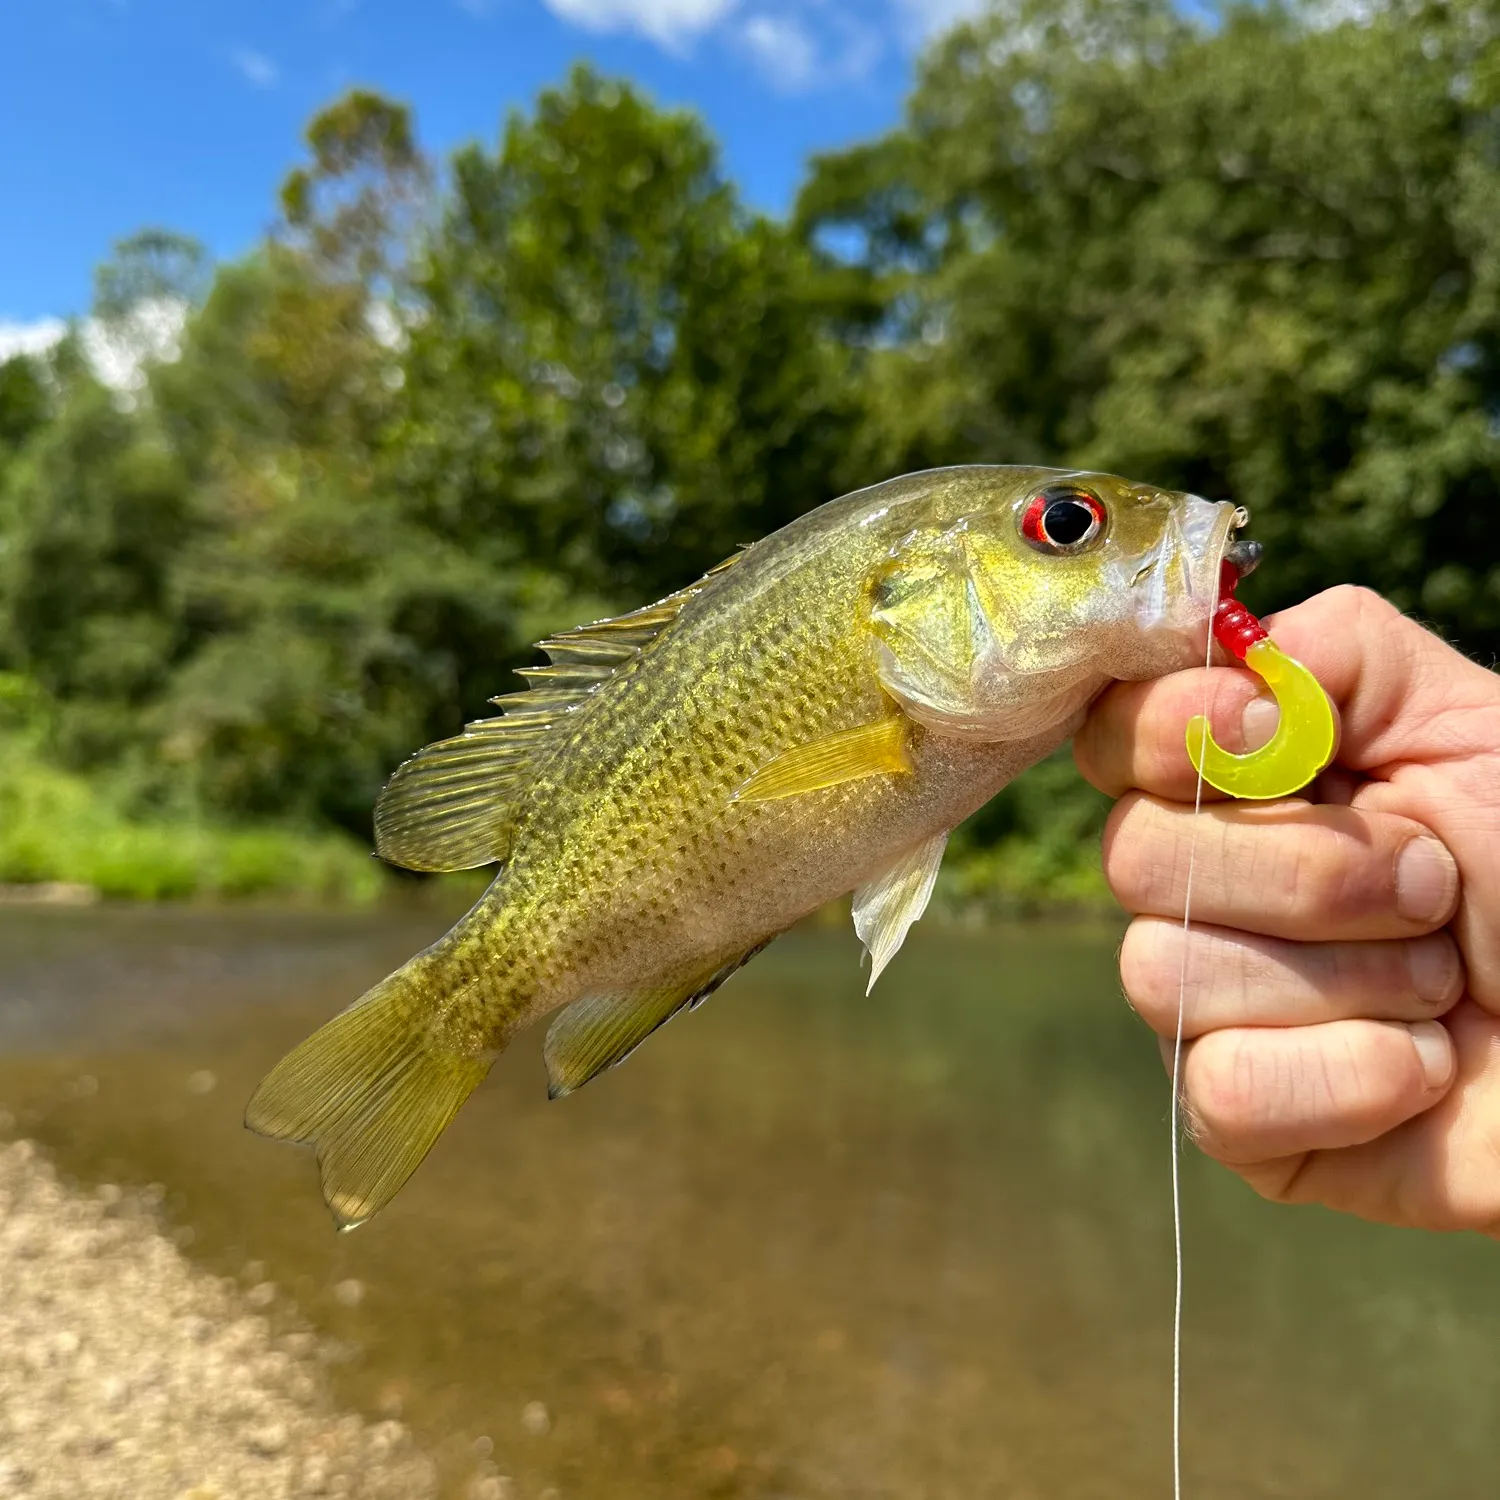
pixel 1304 740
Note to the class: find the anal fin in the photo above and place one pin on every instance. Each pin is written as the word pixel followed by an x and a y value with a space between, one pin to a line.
pixel 885 908
pixel 878 749
pixel 599 1031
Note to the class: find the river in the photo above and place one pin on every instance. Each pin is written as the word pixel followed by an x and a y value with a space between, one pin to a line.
pixel 804 1245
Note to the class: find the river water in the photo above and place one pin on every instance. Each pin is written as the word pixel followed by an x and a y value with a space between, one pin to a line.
pixel 805 1244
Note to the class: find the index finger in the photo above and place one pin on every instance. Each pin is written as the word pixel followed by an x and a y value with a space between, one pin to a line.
pixel 1136 734
pixel 1402 695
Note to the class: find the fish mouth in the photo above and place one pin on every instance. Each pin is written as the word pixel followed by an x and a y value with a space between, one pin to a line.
pixel 1187 576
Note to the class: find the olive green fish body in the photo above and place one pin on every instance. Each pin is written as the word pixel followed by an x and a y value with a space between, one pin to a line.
pixel 811 719
pixel 631 831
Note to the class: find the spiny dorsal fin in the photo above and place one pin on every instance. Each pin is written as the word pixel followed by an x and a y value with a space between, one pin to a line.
pixel 451 806
pixel 878 749
pixel 599 1031
pixel 885 907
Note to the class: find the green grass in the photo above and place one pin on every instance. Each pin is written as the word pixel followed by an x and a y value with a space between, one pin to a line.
pixel 56 826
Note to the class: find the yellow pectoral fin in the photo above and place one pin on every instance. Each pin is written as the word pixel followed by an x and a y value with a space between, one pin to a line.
pixel 878 749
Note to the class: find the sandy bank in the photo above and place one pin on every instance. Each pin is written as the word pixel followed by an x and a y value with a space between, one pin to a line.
pixel 126 1372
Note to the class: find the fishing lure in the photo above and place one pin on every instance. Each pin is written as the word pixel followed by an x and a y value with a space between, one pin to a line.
pixel 1304 740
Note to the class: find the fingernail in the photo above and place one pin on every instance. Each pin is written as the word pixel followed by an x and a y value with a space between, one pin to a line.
pixel 1434 1051
pixel 1426 881
pixel 1258 723
pixel 1434 968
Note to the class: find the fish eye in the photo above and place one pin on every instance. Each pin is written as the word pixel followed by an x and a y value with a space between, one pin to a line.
pixel 1062 519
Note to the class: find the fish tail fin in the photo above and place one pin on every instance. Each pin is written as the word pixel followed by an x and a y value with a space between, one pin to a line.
pixel 372 1090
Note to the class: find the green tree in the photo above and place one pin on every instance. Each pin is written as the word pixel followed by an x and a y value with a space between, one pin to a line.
pixel 618 373
pixel 356 206
pixel 153 267
pixel 25 404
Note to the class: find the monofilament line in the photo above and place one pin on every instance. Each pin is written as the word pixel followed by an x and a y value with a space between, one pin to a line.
pixel 1176 1112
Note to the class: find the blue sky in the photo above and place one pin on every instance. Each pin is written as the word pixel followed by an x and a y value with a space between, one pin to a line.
pixel 117 114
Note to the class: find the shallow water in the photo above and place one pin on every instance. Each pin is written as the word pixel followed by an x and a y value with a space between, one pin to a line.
pixel 804 1245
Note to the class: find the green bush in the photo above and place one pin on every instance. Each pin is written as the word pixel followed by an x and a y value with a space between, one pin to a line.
pixel 57 826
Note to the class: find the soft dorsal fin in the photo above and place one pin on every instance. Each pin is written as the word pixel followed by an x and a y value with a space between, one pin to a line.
pixel 599 1031
pixel 451 806
pixel 885 907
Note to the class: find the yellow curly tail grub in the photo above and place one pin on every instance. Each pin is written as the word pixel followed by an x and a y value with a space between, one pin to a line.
pixel 1301 747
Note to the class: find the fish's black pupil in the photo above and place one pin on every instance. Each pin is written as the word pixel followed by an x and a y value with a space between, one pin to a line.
pixel 1067 521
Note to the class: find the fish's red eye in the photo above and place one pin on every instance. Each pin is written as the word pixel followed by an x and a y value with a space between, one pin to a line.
pixel 1061 519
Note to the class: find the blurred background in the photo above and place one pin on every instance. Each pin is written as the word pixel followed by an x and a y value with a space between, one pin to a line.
pixel 347 348
pixel 323 455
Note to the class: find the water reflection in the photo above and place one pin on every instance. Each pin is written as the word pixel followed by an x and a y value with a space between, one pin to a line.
pixel 805 1244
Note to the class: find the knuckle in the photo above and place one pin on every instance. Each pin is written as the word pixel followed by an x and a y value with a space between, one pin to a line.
pixel 1232 1088
pixel 1354 607
pixel 1147 974
pixel 1138 868
pixel 1322 874
pixel 1341 1076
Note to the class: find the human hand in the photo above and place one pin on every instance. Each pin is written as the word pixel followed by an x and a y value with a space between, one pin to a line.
pixel 1329 932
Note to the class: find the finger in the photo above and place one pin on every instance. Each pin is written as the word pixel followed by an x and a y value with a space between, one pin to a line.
pixel 1259 1093
pixel 1283 869
pixel 1401 694
pixel 1438 1170
pixel 1136 734
pixel 1233 979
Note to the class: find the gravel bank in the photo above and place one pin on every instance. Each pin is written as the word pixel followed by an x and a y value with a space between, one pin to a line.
pixel 128 1373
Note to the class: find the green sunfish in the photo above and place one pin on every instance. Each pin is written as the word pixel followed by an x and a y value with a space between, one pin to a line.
pixel 683 783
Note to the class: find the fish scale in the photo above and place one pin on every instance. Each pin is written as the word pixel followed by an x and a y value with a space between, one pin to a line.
pixel 684 783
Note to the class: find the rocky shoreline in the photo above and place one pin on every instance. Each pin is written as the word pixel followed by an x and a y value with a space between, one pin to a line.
pixel 127 1372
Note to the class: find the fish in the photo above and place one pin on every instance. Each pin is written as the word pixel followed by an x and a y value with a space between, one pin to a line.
pixel 679 785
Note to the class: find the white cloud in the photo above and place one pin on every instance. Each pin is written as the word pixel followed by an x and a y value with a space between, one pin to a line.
pixel 783 48
pixel 29 338
pixel 922 19
pixel 798 45
pixel 117 351
pixel 1324 15
pixel 256 68
pixel 670 23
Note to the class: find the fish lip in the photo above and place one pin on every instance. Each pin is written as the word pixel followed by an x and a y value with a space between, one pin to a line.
pixel 1182 583
pixel 1203 531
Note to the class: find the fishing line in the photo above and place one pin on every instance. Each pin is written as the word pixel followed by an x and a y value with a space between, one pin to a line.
pixel 1175 1126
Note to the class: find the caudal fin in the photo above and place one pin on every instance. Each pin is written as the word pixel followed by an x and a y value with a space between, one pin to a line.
pixel 372 1090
